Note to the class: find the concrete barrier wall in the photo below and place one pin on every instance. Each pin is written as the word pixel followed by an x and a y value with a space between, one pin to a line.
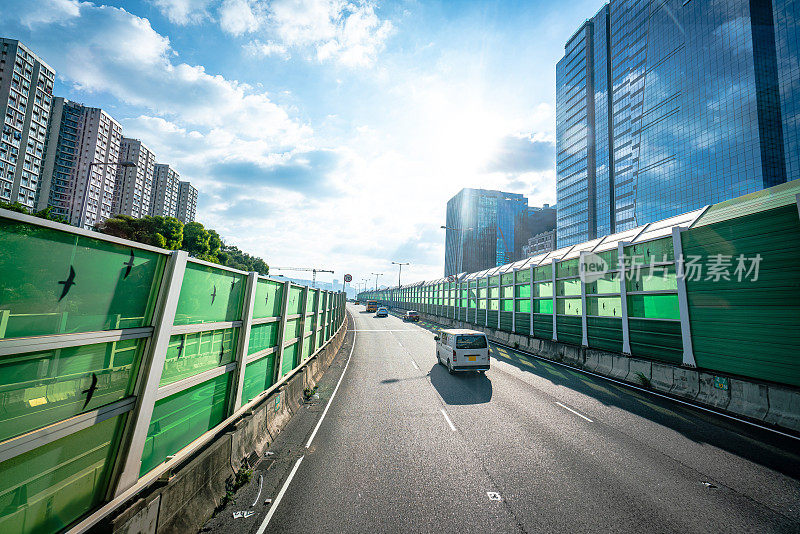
pixel 773 404
pixel 186 499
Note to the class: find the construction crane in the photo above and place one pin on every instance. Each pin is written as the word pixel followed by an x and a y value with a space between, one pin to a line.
pixel 313 270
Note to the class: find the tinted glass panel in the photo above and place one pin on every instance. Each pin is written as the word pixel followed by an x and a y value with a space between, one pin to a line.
pixel 268 299
pixel 191 354
pixel 209 295
pixel 54 282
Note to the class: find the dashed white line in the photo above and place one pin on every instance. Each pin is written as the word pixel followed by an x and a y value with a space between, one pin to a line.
pixel 274 506
pixel 447 418
pixel 325 412
pixel 573 411
pixel 415 365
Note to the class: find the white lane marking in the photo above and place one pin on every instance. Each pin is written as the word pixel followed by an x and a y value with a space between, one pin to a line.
pixel 573 411
pixel 415 365
pixel 260 483
pixel 325 412
pixel 275 504
pixel 449 422
pixel 379 330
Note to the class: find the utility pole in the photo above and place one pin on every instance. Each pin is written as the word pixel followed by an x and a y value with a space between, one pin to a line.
pixel 376 279
pixel 400 272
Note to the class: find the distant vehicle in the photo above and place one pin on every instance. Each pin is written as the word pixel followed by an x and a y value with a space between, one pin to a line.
pixel 462 350
pixel 372 306
pixel 411 316
pixel 382 312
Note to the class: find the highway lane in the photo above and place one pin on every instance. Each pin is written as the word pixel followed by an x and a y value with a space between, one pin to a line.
pixel 405 446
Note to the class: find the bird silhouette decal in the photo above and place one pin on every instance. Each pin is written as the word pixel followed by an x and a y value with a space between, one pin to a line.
pixel 233 283
pixel 68 283
pixel 266 300
pixel 221 351
pixel 129 266
pixel 180 347
pixel 90 391
pixel 214 294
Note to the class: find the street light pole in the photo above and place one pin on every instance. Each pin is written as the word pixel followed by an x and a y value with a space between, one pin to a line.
pixel 399 272
pixel 376 279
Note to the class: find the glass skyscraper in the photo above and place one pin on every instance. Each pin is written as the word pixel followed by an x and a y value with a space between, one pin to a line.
pixel 665 106
pixel 481 229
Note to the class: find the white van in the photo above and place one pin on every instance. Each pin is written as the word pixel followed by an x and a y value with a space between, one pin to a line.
pixel 462 350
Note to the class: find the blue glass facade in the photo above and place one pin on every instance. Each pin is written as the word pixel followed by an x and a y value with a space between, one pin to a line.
pixel 481 229
pixel 693 103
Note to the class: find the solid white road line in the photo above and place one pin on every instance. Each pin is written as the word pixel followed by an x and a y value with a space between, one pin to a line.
pixel 275 504
pixel 415 365
pixel 573 411
pixel 449 422
pixel 325 412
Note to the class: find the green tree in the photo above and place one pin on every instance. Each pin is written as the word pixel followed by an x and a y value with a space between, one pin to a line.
pixel 195 240
pixel 43 214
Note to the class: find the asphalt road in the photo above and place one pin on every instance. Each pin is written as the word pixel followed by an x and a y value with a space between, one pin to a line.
pixel 406 447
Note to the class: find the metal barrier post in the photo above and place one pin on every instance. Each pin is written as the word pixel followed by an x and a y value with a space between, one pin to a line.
pixel 303 310
pixel 584 321
pixel 530 282
pixel 514 301
pixel 555 307
pixel 150 372
pixel 315 328
pixel 683 300
pixel 244 341
pixel 287 286
pixel 623 293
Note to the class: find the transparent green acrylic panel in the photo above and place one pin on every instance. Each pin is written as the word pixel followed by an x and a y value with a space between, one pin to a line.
pixel 568 288
pixel 567 268
pixel 507 278
pixel 289 359
pixel 191 354
pixel 41 388
pixel 311 297
pixel 295 299
pixel 46 489
pixel 608 284
pixel 181 418
pixel 54 282
pixel 523 276
pixel 653 306
pixel 483 282
pixel 494 280
pixel 610 257
pixel 308 347
pixel 494 292
pixel 508 292
pixel 481 304
pixel 263 336
pixel 209 295
pixel 543 289
pixel 292 329
pixel 545 272
pixel 268 299
pixel 569 307
pixel 523 306
pixel 523 291
pixel 604 306
pixel 482 293
pixel 543 306
pixel 507 305
pixel 658 250
pixel 661 278
pixel 493 305
pixel 258 377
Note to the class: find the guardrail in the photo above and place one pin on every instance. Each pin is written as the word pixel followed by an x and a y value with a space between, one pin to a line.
pixel 116 356
pixel 714 289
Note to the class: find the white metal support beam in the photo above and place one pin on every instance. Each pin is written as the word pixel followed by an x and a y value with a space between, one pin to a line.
pixel 303 318
pixel 555 307
pixel 287 286
pixel 584 321
pixel 530 328
pixel 623 294
pixel 683 300
pixel 244 341
pixel 150 374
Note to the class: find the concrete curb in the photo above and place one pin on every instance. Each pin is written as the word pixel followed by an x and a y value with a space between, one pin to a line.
pixel 784 407
pixel 641 372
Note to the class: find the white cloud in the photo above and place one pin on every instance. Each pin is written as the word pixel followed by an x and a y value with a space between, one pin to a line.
pixel 239 16
pixel 183 12
pixel 350 33
pixel 269 48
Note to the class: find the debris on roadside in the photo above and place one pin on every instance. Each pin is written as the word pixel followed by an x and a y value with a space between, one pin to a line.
pixel 242 514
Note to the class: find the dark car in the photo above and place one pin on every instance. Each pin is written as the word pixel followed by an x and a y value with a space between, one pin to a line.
pixel 411 316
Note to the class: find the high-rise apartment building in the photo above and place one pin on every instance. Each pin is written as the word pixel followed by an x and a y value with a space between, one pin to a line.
pixel 665 106
pixel 134 187
pixel 187 202
pixel 166 185
pixel 481 230
pixel 80 164
pixel 26 93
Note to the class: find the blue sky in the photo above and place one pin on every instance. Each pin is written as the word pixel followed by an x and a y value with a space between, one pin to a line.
pixel 322 133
